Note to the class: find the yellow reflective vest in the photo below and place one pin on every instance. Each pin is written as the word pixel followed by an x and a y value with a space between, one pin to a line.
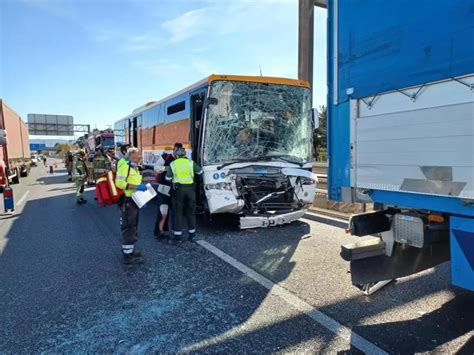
pixel 127 175
pixel 182 171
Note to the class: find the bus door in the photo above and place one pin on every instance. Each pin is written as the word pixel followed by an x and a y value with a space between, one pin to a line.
pixel 197 104
pixel 133 131
pixel 195 132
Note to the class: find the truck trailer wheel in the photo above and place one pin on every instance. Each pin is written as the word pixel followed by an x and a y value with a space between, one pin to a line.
pixel 16 178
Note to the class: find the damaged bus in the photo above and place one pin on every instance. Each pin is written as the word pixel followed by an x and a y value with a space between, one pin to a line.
pixel 251 135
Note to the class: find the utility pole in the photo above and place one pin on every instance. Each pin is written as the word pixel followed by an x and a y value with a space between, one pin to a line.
pixel 305 40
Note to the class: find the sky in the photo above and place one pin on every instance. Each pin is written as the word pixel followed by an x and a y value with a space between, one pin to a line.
pixel 98 60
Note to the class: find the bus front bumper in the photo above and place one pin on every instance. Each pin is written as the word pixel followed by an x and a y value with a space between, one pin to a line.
pixel 247 222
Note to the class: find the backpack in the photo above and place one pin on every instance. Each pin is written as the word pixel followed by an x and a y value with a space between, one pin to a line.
pixel 106 192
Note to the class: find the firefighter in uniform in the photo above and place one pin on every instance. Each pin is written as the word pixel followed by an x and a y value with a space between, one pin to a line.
pixel 80 174
pixel 100 164
pixel 183 196
pixel 129 180
pixel 68 163
pixel 90 169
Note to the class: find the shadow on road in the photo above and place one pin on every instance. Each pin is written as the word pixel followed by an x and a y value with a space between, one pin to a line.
pixel 64 289
pixel 452 320
pixel 53 179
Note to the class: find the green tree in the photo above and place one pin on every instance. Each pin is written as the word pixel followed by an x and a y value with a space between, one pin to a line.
pixel 320 136
pixel 62 148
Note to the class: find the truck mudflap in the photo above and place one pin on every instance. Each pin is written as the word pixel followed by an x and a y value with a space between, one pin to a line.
pixel 247 222
pixel 405 260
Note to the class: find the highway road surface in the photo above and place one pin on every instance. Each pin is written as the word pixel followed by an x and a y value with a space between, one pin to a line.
pixel 63 288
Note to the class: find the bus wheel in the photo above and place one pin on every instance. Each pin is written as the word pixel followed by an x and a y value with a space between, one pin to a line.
pixel 16 178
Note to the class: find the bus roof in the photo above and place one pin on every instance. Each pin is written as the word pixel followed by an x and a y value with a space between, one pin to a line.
pixel 259 79
pixel 217 77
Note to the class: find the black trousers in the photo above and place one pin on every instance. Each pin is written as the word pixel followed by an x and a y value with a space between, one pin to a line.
pixel 183 200
pixel 129 215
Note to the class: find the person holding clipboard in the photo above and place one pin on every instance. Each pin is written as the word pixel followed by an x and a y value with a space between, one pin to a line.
pixel 129 180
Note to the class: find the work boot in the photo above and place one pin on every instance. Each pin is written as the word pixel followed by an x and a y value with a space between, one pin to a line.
pixel 137 253
pixel 132 258
pixel 160 236
pixel 175 241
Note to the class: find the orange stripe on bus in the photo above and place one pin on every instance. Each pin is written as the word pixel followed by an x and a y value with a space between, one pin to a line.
pixel 259 79
pixel 164 147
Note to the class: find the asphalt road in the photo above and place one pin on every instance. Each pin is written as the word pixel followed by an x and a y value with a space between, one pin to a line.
pixel 63 288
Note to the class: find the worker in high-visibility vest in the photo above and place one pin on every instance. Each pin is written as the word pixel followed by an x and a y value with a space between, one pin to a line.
pixel 129 180
pixel 182 174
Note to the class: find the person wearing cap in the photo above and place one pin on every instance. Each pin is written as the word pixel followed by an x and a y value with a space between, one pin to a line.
pixel 121 155
pixel 182 174
pixel 80 175
pixel 129 180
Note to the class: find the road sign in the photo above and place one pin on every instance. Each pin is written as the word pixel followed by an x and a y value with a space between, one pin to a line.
pixel 37 146
pixel 54 125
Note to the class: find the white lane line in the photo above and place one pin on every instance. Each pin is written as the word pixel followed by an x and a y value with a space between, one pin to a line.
pixel 23 198
pixel 327 322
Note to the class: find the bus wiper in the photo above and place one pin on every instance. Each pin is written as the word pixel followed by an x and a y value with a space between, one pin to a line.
pixel 287 158
pixel 261 158
pixel 243 160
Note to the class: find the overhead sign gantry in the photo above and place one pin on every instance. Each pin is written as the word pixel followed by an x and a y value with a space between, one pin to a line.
pixel 54 125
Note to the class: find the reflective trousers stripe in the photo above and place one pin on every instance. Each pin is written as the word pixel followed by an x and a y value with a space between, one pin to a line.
pixel 127 249
pixel 112 183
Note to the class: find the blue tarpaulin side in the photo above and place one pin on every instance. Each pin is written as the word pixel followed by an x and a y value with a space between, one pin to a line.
pixel 388 45
pixel 462 252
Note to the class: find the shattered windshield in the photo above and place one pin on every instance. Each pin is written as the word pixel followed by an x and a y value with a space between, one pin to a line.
pixel 257 120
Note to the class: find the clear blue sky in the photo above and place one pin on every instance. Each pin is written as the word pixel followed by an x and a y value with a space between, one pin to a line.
pixel 99 59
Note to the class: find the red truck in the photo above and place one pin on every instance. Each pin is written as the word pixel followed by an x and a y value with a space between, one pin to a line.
pixel 15 156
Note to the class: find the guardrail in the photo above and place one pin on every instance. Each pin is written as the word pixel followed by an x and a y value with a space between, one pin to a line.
pixel 320 169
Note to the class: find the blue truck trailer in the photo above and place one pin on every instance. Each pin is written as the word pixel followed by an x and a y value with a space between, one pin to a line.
pixel 401 134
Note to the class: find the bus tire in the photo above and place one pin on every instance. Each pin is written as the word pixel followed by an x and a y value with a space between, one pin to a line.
pixel 16 178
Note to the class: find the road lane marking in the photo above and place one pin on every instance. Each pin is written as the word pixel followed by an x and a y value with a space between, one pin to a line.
pixel 22 199
pixel 327 322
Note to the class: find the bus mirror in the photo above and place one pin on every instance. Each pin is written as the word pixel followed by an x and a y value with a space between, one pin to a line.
pixel 211 101
pixel 315 113
pixel 3 137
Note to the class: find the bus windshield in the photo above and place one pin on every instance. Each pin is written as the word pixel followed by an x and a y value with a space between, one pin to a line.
pixel 247 120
